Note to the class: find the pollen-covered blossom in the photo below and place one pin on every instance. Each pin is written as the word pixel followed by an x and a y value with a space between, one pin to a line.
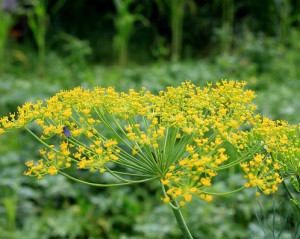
pixel 278 159
pixel 183 136
pixel 261 173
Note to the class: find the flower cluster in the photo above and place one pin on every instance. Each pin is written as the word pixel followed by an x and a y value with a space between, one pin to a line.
pixel 277 159
pixel 183 136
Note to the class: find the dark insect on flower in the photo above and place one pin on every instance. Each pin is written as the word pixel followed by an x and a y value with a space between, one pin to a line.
pixel 66 131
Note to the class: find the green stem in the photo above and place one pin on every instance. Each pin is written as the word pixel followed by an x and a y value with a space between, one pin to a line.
pixel 178 215
pixel 104 185
pixel 225 193
pixel 36 137
pixel 291 196
pixel 180 221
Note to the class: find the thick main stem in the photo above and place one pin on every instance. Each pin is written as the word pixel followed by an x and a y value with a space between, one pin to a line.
pixel 180 221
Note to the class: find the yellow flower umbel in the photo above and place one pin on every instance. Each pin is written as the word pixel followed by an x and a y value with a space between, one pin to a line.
pixel 183 136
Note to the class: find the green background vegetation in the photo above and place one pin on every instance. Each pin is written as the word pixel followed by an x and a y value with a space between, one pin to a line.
pixel 48 46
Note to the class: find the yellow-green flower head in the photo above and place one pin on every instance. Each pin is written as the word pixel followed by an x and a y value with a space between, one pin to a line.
pixel 183 136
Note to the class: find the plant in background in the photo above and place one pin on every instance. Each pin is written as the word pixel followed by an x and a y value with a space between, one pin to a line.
pixel 75 53
pixel 124 24
pixel 184 137
pixel 6 23
pixel 284 20
pixel 177 10
pixel 37 21
pixel 177 15
pixel 9 201
pixel 160 49
pixel 225 32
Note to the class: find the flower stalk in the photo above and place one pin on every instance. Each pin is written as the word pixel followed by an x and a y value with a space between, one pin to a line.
pixel 181 221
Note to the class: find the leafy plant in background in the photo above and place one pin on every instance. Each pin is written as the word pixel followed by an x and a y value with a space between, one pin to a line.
pixel 177 12
pixel 6 23
pixel 124 24
pixel 37 20
pixel 183 137
pixel 160 49
pixel 225 32
pixel 75 53
pixel 177 15
pixel 284 19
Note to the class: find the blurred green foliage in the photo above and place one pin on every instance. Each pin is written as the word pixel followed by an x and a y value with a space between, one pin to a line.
pixel 6 22
pixel 124 22
pixel 254 41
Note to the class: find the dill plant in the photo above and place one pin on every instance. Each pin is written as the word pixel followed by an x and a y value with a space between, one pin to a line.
pixel 180 137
